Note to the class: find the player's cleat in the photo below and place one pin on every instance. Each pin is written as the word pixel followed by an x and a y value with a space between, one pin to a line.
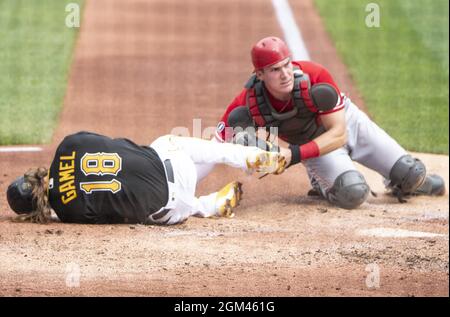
pixel 313 193
pixel 228 198
pixel 433 185
pixel 266 162
pixel 315 190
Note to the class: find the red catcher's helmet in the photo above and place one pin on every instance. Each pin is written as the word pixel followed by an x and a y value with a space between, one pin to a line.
pixel 269 51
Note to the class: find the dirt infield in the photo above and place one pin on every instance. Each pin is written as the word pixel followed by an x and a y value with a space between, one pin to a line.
pixel 142 68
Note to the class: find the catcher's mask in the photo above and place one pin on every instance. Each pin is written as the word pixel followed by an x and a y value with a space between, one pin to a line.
pixel 20 196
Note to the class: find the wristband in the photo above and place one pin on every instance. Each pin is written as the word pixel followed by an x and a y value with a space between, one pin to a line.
pixel 295 154
pixel 303 152
pixel 309 150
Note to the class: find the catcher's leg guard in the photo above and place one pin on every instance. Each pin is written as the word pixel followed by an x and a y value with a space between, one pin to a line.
pixel 349 190
pixel 406 176
pixel 433 185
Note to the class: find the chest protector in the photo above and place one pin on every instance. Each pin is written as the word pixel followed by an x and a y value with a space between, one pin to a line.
pixel 297 126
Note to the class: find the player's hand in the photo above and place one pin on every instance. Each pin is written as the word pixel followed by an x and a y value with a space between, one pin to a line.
pixel 266 162
pixel 287 154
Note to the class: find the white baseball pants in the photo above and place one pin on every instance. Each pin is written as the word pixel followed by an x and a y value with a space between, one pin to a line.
pixel 184 154
pixel 367 144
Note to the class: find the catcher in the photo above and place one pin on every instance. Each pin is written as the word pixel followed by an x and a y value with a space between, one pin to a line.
pixel 95 179
pixel 322 128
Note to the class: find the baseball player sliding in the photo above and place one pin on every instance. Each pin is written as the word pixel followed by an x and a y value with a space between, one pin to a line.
pixel 96 179
pixel 323 129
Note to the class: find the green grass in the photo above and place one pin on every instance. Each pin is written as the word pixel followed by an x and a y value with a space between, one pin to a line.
pixel 35 54
pixel 401 68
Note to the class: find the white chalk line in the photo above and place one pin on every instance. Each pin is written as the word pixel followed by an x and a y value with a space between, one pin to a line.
pixel 397 233
pixel 291 32
pixel 20 149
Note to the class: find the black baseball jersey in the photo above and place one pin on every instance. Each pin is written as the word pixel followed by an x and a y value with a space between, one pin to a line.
pixel 96 179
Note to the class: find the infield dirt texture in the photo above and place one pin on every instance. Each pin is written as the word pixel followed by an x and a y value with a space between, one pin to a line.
pixel 143 67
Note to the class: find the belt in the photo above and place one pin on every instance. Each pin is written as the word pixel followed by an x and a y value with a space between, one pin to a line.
pixel 171 202
pixel 169 171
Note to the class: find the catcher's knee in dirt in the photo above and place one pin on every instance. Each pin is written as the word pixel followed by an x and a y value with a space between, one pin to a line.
pixel 349 191
pixel 407 174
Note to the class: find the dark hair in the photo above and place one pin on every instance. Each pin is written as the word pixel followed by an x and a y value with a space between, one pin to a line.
pixel 37 178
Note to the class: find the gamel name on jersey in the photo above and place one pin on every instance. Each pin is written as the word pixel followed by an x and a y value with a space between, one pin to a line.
pixel 66 174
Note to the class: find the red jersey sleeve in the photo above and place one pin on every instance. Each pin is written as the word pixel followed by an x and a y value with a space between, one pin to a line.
pixel 223 131
pixel 319 74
